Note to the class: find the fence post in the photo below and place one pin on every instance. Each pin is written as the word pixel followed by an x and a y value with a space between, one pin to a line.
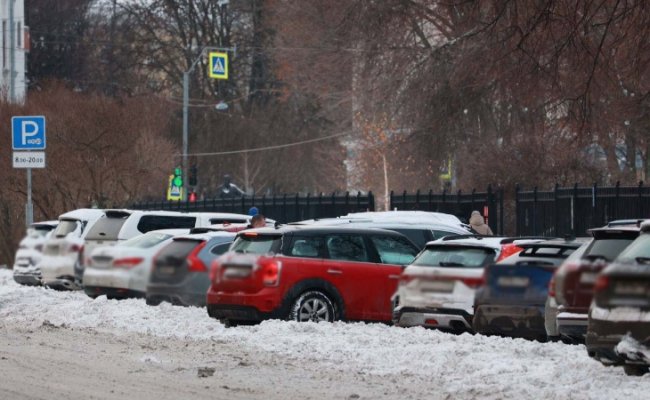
pixel 284 208
pixel 555 210
pixel 308 208
pixel 371 201
pixel 472 199
pixel 404 200
pixel 640 215
pixel 391 204
pixel 417 199
pixel 501 211
pixel 535 211
pixel 491 209
pixel 264 204
pixel 333 200
pixel 517 213
pixel 347 202
pixel 358 201
pixel 574 198
pixel 429 208
pixel 320 206
pixel 594 195
pixel 444 199
pixel 618 188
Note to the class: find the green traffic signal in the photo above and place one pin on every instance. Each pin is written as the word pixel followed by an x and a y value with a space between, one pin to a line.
pixel 178 177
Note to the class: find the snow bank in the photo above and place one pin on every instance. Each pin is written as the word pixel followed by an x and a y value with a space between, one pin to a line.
pixel 458 366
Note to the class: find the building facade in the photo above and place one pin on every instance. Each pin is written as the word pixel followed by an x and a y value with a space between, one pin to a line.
pixel 15 45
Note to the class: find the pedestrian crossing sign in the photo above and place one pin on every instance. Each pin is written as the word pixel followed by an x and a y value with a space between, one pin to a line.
pixel 218 65
pixel 174 193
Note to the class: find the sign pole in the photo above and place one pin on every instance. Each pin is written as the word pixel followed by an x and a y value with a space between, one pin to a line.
pixel 29 207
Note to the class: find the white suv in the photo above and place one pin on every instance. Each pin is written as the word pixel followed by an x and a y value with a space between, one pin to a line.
pixel 61 251
pixel 437 289
pixel 29 252
pixel 419 226
pixel 120 225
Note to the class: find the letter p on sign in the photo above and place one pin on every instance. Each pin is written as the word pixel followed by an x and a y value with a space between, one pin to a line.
pixel 28 133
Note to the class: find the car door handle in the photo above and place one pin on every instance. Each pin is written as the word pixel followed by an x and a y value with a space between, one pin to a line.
pixel 334 271
pixel 393 276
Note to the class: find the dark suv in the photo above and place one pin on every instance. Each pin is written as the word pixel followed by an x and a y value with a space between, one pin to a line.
pixel 618 332
pixel 309 274
pixel 574 281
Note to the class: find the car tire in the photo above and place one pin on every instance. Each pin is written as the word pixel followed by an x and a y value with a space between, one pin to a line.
pixel 313 306
pixel 635 370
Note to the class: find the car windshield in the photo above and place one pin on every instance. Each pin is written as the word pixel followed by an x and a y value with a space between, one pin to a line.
pixel 106 228
pixel 147 240
pixel 638 251
pixel 65 227
pixel 607 249
pixel 451 256
pixel 262 244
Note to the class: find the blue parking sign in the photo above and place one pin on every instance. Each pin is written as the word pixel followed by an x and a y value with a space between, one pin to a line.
pixel 28 133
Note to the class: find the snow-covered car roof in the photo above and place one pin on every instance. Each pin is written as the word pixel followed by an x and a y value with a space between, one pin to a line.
pixel 494 242
pixel 52 223
pixel 206 236
pixel 82 214
pixel 406 216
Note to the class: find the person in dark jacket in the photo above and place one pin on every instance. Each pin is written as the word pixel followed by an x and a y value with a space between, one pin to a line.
pixel 228 189
pixel 477 223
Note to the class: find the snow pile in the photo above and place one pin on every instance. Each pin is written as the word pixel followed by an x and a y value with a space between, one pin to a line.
pixel 633 350
pixel 458 366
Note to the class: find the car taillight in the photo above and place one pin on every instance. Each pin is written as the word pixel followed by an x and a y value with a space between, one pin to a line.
pixel 507 250
pixel 74 248
pixel 128 262
pixel 214 271
pixel 271 272
pixel 473 282
pixel 194 263
pixel 551 286
pixel 602 282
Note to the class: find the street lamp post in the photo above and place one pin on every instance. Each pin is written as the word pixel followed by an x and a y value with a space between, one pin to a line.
pixel 186 100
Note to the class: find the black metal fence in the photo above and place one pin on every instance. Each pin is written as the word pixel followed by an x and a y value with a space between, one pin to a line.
pixel 573 210
pixel 284 208
pixel 489 203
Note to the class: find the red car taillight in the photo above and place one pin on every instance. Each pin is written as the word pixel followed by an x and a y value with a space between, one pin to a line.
pixel 271 272
pixel 194 263
pixel 214 271
pixel 602 282
pixel 473 282
pixel 507 250
pixel 551 286
pixel 128 262
pixel 74 248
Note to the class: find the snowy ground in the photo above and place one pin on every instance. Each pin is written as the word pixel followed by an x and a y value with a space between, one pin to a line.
pixel 280 359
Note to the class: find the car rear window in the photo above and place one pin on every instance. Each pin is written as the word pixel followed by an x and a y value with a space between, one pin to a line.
pixel 154 222
pixel 607 249
pixel 418 236
pixel 177 251
pixel 258 244
pixel 455 257
pixel 147 240
pixel 638 250
pixel 107 228
pixel 39 231
pixel 66 227
pixel 394 250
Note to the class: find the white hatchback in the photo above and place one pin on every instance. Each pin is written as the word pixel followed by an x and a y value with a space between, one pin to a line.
pixel 29 252
pixel 438 288
pixel 123 270
pixel 61 250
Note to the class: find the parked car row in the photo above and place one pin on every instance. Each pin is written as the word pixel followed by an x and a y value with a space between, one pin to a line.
pixel 405 268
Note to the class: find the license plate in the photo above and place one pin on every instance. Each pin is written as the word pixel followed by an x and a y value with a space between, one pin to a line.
pixel 438 286
pixel 166 270
pixel 237 272
pixel 513 281
pixel 631 289
pixel 588 277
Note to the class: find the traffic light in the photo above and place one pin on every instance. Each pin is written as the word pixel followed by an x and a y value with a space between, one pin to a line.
pixel 193 175
pixel 178 177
